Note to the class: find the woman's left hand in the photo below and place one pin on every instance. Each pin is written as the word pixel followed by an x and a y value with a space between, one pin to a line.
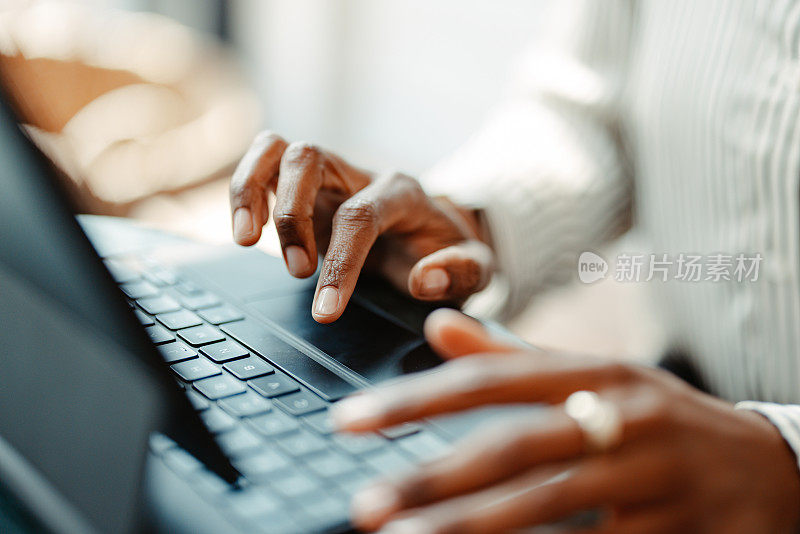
pixel 686 461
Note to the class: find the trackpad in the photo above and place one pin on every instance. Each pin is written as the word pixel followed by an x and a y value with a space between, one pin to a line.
pixel 362 340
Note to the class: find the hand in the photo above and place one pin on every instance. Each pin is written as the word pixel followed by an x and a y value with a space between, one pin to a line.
pixel 687 462
pixel 425 246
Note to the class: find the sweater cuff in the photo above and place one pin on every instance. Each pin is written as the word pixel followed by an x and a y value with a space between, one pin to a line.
pixel 786 417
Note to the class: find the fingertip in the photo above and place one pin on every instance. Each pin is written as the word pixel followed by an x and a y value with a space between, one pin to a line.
pixel 243 227
pixel 298 262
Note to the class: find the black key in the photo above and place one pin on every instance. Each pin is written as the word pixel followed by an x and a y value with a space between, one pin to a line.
pixel 159 304
pixel 179 319
pixel 218 421
pixel 238 442
pixel 301 443
pixel 199 301
pixel 295 483
pixel 221 314
pixel 273 424
pixel 388 462
pixel 313 374
pixel 176 352
pixel 246 405
pixel 188 288
pixel 251 502
pixel 144 319
pixel 320 422
pixel 120 272
pixel 181 461
pixel 138 290
pixel 274 385
pixel 330 464
pixel 300 403
pixel 424 446
pixel 260 466
pixel 248 368
pixel 359 444
pixel 200 335
pixel 225 351
pixel 159 334
pixel 401 430
pixel 199 402
pixel 218 387
pixel 196 369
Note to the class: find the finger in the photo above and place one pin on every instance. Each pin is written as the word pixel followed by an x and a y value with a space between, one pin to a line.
pixel 249 188
pixel 490 455
pixel 653 519
pixel 452 273
pixel 301 176
pixel 356 225
pixel 453 334
pixel 548 494
pixel 473 381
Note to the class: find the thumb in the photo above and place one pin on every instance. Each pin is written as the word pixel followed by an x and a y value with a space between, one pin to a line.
pixel 453 334
pixel 452 273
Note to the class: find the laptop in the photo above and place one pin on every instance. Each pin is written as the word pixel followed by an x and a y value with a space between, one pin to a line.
pixel 150 383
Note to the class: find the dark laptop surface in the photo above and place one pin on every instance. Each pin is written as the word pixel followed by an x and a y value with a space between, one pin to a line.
pixel 82 387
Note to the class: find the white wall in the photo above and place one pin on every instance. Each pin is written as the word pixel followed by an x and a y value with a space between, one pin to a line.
pixel 388 83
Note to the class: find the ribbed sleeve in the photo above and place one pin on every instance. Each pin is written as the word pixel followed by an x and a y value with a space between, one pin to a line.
pixel 786 417
pixel 548 169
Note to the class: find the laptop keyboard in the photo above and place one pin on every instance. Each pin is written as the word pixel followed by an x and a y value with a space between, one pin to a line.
pixel 267 404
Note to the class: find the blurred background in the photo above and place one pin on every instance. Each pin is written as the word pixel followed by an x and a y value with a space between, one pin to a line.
pixel 146 106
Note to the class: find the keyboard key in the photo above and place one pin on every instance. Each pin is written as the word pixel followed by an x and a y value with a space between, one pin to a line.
pixel 209 484
pixel 159 304
pixel 246 405
pixel 295 483
pixel 248 368
pixel 318 378
pixel 398 431
pixel 320 422
pixel 328 511
pixel 140 289
pixel 239 441
pixel 388 462
pixel 274 385
pixel 199 403
pixel 218 387
pixel 250 502
pixel 300 403
pixel 359 444
pixel 159 335
pixel 276 522
pixel 354 481
pixel 196 369
pixel 176 352
pixel 218 421
pixel 181 461
pixel 273 424
pixel 159 443
pixel 199 301
pixel 179 319
pixel 259 466
pixel 424 446
pixel 144 319
pixel 188 288
pixel 120 272
pixel 330 464
pixel 221 314
pixel 301 443
pixel 225 351
pixel 200 335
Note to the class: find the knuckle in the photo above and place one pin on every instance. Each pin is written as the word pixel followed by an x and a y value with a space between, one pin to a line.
pixel 337 264
pixel 302 151
pixel 358 212
pixel 617 372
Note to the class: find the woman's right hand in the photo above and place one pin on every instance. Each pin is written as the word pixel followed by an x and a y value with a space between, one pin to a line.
pixel 428 247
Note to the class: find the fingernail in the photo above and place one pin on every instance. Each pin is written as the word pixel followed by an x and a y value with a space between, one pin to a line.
pixel 327 301
pixel 354 410
pixel 296 260
pixel 242 224
pixel 372 505
pixel 412 525
pixel 435 281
